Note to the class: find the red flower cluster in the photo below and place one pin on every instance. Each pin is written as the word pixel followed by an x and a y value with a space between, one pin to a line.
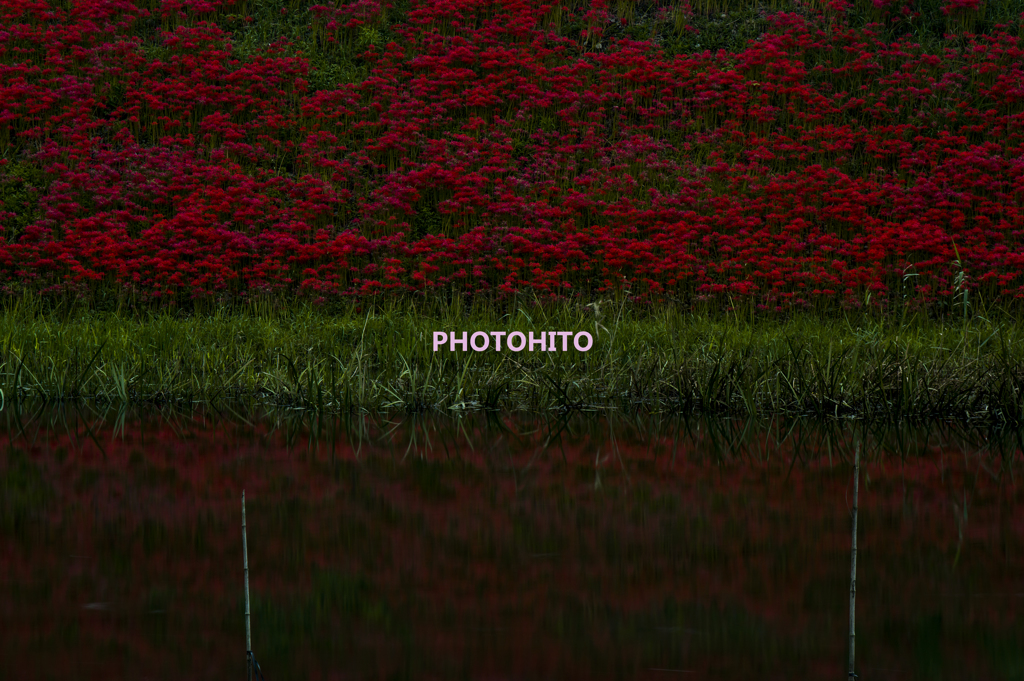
pixel 961 6
pixel 486 152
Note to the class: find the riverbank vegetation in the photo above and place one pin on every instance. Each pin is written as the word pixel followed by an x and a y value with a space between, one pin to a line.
pixel 780 206
pixel 381 357
pixel 794 155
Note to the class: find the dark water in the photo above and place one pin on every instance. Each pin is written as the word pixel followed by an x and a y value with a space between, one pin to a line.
pixel 505 548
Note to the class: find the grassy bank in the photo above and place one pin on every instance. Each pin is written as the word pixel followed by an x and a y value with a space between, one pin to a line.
pixel 383 358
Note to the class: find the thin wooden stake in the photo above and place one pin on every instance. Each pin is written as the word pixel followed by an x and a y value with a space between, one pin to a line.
pixel 245 559
pixel 853 560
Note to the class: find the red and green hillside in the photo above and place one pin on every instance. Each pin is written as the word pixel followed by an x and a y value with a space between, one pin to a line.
pixel 833 153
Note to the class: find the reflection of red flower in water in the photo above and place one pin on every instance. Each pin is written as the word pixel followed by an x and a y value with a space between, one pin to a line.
pixel 501 556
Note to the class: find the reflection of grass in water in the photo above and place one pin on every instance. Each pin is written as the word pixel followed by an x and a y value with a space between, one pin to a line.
pixel 928 648
pixel 431 480
pixel 673 635
pixel 24 493
pixel 327 618
pixel 635 553
pixel 1005 654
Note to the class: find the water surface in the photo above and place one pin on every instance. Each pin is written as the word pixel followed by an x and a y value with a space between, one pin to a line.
pixel 484 547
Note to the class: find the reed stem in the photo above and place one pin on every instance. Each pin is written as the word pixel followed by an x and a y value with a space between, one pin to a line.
pixel 245 559
pixel 853 561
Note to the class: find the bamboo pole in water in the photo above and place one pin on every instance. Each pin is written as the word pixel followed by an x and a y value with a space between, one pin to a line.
pixel 853 560
pixel 245 559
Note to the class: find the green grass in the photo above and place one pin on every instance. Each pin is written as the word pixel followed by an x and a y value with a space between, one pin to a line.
pixel 712 25
pixel 382 358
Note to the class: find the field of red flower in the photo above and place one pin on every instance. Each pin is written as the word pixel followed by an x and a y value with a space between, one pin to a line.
pixel 493 147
